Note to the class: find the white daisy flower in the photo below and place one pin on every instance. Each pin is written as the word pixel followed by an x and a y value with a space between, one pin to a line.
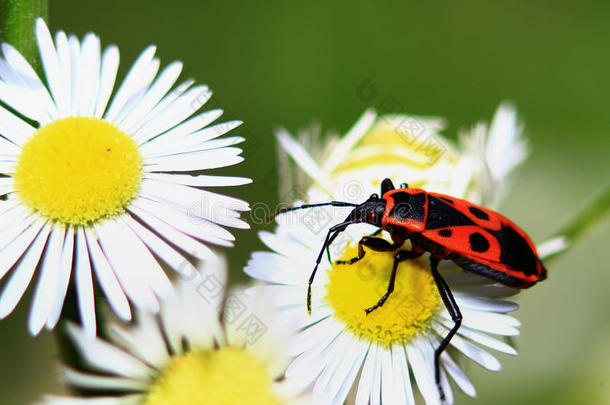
pixel 339 347
pixel 186 354
pixel 404 147
pixel 98 184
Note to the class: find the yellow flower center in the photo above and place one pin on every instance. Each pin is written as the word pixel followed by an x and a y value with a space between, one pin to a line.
pixel 224 376
pixel 78 170
pixel 407 312
pixel 389 144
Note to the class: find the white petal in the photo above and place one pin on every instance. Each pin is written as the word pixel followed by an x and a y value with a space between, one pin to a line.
pixel 167 253
pixel 196 161
pixel 375 395
pixel 505 148
pixel 52 69
pixel 194 194
pixel 144 339
pixel 353 136
pixel 482 339
pixel 107 279
pixel 418 353
pixel 187 223
pixel 458 376
pixel 23 272
pixel 67 254
pixel 302 158
pixel 132 83
pixel 338 376
pixel 75 60
pixel 13 224
pixel 178 140
pixel 84 284
pixel 6 184
pixel 8 210
pixel 390 391
pixel 488 322
pixel 485 304
pixel 174 236
pixel 155 93
pixel 30 96
pixel 182 108
pixel 273 268
pixel 195 204
pixel 167 101
pixel 310 337
pixel 201 180
pixel 11 151
pixel 110 66
pixel 48 282
pixel 137 250
pixel 127 258
pixel 365 385
pixel 9 75
pixel 102 383
pixel 185 132
pixel 198 147
pixel 400 368
pixel 474 353
pixel 20 246
pixel 311 363
pixel 89 75
pixel 65 65
pixel 14 129
pixel 136 99
pixel 107 358
pixel 552 246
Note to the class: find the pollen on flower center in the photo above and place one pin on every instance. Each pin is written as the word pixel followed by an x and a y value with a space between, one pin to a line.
pixel 408 311
pixel 78 170
pixel 224 376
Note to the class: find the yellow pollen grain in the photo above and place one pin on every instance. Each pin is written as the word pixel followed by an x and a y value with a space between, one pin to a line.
pixel 227 375
pixel 78 170
pixel 407 312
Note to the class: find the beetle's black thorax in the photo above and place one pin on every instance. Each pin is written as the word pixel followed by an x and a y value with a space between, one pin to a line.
pixel 371 211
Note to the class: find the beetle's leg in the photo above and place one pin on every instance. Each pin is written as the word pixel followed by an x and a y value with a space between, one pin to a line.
pixel 335 228
pixel 456 316
pixel 330 242
pixel 332 238
pixel 400 256
pixel 376 244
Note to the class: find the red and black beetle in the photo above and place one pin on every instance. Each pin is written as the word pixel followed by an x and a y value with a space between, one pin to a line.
pixel 477 239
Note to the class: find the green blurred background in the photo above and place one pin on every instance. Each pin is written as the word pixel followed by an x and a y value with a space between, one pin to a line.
pixel 289 63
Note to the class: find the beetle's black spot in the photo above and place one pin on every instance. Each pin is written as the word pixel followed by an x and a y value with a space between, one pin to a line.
pixel 447 200
pixel 408 206
pixel 515 251
pixel 443 215
pixel 478 243
pixel 445 232
pixel 478 213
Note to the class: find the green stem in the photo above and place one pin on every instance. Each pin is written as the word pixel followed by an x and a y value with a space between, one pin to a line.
pixel 584 222
pixel 17 26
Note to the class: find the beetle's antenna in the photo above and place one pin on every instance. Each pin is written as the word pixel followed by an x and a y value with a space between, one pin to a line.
pixel 304 206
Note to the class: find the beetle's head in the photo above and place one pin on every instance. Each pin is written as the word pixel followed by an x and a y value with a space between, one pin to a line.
pixel 371 211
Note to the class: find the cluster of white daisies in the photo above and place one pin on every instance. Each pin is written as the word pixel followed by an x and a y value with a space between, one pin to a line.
pixel 98 182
